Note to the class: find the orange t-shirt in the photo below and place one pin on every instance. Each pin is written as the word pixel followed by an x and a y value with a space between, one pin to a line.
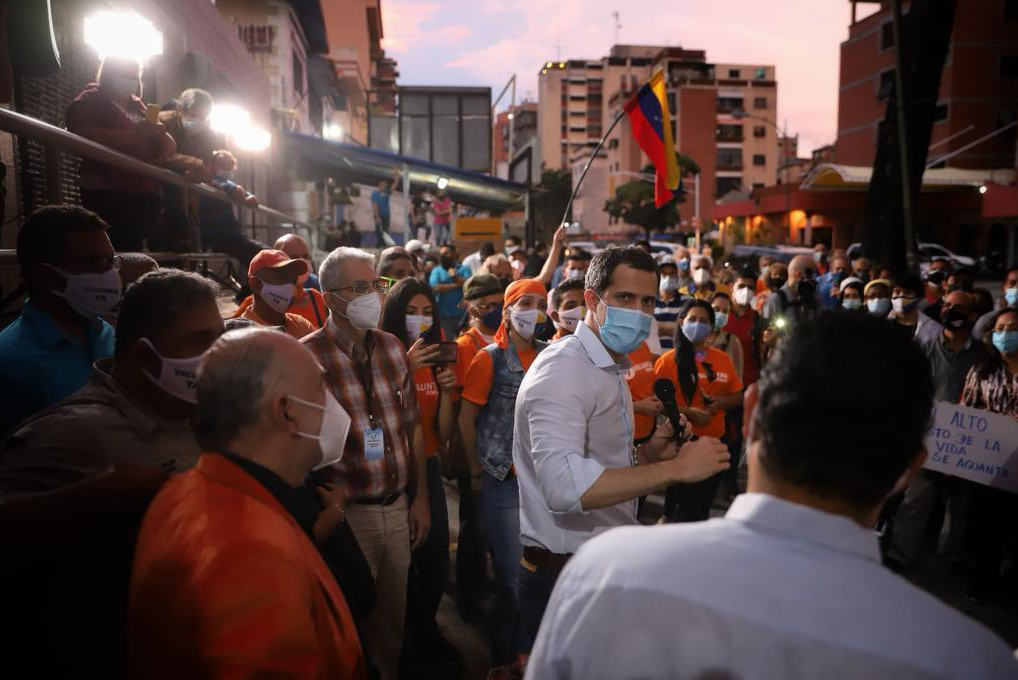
pixel 296 326
pixel 481 374
pixel 726 381
pixel 427 400
pixel 467 347
pixel 305 307
pixel 641 379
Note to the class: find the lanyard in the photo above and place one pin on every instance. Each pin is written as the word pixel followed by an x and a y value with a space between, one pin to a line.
pixel 367 380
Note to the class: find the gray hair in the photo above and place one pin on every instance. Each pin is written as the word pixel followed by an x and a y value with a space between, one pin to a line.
pixel 194 98
pixel 236 378
pixel 331 270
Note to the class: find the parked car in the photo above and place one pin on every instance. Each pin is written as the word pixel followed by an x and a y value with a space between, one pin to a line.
pixel 927 253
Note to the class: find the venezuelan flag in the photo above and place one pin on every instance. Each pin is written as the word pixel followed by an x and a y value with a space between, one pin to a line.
pixel 652 128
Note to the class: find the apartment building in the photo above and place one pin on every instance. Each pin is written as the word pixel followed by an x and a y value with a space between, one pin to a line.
pixel 978 86
pixel 522 118
pixel 724 118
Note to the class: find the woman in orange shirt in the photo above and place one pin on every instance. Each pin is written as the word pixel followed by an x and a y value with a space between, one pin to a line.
pixel 706 385
pixel 411 314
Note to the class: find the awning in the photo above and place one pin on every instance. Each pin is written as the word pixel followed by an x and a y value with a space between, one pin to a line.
pixel 323 158
pixel 856 177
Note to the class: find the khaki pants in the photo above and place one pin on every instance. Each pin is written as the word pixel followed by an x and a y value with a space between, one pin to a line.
pixel 383 533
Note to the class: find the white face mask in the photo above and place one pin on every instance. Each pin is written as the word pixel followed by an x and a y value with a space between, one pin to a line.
pixel 364 312
pixel 743 296
pixel 332 434
pixel 575 274
pixel 701 276
pixel 524 321
pixel 277 296
pixel 416 325
pixel 177 377
pixel 669 284
pixel 570 319
pixel 90 295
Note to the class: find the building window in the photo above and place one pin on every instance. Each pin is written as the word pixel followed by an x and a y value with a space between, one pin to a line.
pixel 729 133
pixel 733 73
pixel 298 74
pixel 760 102
pixel 940 113
pixel 886 85
pixel 729 159
pixel 886 36
pixel 758 185
pixel 1009 66
pixel 759 131
pixel 729 103
pixel 725 185
pixel 759 159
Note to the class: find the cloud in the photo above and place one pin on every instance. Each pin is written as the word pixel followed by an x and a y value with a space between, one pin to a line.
pixel 408 25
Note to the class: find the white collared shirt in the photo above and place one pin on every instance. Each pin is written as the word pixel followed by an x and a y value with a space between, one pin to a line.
pixel 772 590
pixel 574 420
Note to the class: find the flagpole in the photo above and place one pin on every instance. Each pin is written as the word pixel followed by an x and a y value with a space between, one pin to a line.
pixel 597 148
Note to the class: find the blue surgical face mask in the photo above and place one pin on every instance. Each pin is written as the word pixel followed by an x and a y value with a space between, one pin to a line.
pixel 696 331
pixel 623 329
pixel 851 303
pixel 684 265
pixel 879 306
pixel 1006 341
pixel 720 319
pixel 493 319
pixel 1011 297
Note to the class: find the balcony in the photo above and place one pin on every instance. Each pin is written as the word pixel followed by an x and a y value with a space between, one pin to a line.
pixel 729 133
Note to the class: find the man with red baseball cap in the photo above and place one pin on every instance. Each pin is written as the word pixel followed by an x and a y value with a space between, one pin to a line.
pixel 273 276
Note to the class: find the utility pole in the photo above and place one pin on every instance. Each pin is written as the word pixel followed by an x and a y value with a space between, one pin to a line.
pixel 618 25
pixel 911 256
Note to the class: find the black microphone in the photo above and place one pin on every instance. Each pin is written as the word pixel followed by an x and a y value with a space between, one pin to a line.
pixel 664 390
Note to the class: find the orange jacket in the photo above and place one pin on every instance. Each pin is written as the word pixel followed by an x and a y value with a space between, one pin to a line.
pixel 226 584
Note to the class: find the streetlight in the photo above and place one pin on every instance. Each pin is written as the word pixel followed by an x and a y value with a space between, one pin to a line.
pixel 443 182
pixel 235 123
pixel 123 34
pixel 739 114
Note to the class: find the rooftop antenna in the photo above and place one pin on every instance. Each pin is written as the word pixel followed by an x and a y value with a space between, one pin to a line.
pixel 618 25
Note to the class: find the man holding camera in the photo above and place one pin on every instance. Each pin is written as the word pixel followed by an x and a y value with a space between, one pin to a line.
pixel 797 299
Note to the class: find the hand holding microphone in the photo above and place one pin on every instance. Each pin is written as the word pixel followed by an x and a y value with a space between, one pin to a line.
pixel 695 459
pixel 664 390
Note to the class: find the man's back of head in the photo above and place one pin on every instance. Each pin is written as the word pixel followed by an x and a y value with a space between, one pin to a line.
pixel 851 443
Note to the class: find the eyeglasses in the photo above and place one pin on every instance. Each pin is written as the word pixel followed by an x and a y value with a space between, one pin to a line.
pixel 380 285
pixel 99 264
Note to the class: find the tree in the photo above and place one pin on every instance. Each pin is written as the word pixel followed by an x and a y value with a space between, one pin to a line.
pixel 925 39
pixel 634 201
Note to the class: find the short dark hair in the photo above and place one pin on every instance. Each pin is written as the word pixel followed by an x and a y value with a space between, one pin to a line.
pixel 515 240
pixel 43 236
pixel 561 289
pixel 908 281
pixel 487 250
pixel 599 275
pixel 394 313
pixel 880 411
pixel 643 243
pixel 156 301
pixel 579 254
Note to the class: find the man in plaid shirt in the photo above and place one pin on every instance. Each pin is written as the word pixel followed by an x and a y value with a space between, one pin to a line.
pixel 368 373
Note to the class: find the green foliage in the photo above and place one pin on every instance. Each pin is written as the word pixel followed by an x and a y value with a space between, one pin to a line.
pixel 550 200
pixel 633 202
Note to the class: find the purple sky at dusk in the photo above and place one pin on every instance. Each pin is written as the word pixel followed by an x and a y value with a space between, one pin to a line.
pixel 483 42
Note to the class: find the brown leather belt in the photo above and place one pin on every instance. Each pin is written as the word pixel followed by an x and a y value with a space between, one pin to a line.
pixel 388 500
pixel 541 558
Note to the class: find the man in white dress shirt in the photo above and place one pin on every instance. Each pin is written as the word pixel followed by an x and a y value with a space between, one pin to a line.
pixel 789 583
pixel 578 471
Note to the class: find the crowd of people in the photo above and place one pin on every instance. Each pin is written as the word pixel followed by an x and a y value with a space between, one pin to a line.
pixel 199 492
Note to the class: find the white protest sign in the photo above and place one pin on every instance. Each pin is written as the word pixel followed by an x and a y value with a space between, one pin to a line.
pixel 973 444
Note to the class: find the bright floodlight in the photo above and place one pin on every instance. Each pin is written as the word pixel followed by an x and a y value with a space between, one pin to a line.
pixel 982 189
pixel 443 182
pixel 122 34
pixel 332 131
pixel 229 119
pixel 253 139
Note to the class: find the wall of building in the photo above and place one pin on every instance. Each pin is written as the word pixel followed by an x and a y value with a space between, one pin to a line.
pixel 972 91
pixel 696 128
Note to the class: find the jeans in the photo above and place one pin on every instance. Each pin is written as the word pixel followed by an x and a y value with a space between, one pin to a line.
pixel 535 586
pixel 471 552
pixel 429 565
pixel 914 513
pixel 691 502
pixel 501 502
pixel 381 231
pixel 441 234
